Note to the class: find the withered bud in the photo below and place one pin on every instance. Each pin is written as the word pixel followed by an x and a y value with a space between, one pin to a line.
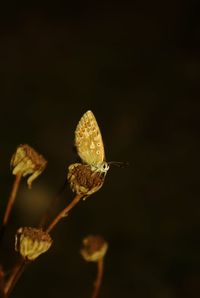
pixel 83 180
pixel 26 161
pixel 31 242
pixel 93 248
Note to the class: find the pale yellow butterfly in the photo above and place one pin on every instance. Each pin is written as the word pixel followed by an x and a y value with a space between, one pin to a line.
pixel 89 143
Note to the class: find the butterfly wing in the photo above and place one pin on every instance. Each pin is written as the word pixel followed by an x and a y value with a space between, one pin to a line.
pixel 88 140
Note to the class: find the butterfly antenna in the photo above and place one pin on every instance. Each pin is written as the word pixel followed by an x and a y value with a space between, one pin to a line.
pixel 120 164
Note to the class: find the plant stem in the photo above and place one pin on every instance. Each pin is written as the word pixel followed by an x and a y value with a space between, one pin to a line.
pixel 51 207
pixel 63 213
pixel 98 281
pixel 14 276
pixel 11 199
pixel 10 203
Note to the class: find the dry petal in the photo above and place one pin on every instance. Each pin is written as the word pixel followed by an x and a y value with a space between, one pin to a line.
pixel 83 180
pixel 26 161
pixel 32 242
pixel 93 248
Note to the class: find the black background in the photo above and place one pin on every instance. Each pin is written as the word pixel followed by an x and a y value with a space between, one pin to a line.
pixel 136 65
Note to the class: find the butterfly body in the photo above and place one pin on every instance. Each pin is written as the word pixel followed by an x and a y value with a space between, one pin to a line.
pixel 89 143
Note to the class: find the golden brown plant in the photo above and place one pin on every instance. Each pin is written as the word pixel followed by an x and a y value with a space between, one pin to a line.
pixel 94 249
pixel 84 179
pixel 32 242
pixel 26 161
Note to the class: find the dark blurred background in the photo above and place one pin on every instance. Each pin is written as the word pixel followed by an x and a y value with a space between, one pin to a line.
pixel 136 65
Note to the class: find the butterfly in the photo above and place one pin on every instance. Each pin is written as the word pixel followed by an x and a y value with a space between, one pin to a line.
pixel 89 143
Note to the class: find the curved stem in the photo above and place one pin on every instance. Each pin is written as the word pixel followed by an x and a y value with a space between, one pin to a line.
pixel 98 281
pixel 10 204
pixel 53 204
pixel 11 198
pixel 14 276
pixel 63 213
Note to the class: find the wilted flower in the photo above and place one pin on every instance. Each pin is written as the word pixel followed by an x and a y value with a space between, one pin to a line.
pixel 83 180
pixel 93 248
pixel 32 242
pixel 26 161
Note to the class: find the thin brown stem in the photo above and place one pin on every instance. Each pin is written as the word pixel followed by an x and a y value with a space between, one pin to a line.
pixel 52 206
pixel 98 281
pixel 14 276
pixel 11 199
pixel 63 213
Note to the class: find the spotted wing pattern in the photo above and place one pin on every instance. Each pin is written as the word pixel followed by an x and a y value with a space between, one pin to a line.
pixel 88 140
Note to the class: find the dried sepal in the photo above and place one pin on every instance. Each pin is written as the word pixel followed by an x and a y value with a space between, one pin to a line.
pixel 83 179
pixel 26 161
pixel 32 242
pixel 93 248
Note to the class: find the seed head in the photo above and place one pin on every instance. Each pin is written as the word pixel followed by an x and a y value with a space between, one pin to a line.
pixel 31 242
pixel 83 180
pixel 93 248
pixel 26 161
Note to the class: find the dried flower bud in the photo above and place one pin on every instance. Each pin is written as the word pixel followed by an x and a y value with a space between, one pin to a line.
pixel 93 248
pixel 26 161
pixel 83 180
pixel 32 242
